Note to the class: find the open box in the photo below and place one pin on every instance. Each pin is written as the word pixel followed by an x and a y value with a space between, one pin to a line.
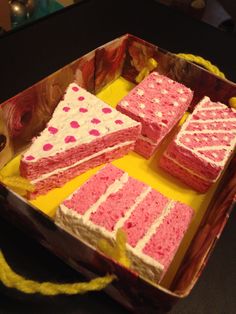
pixel 23 116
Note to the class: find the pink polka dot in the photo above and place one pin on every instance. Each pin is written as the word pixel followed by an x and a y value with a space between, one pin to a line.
pixel 94 132
pixel 70 139
pixel 106 110
pixel 83 109
pixel 74 124
pixel 119 122
pixel 52 130
pixel 81 98
pixel 75 89
pixel 47 147
pixel 30 157
pixel 95 121
pixel 66 109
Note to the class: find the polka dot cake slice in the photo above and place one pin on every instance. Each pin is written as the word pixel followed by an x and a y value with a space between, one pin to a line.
pixel 158 103
pixel 83 133
pixel 154 224
pixel 202 147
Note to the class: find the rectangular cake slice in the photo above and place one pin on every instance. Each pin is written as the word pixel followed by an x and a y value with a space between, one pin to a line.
pixel 110 200
pixel 83 133
pixel 202 147
pixel 158 103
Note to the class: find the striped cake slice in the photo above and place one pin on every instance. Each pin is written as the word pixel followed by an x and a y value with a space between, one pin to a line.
pixel 83 133
pixel 202 147
pixel 158 103
pixel 110 200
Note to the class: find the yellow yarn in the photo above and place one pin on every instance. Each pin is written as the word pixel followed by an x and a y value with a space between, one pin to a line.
pixel 185 116
pixel 12 280
pixel 198 4
pixel 118 251
pixel 151 65
pixel 232 102
pixel 210 67
pixel 205 63
pixel 18 184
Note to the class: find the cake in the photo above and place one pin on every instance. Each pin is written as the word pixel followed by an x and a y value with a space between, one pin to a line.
pixel 203 145
pixel 83 132
pixel 158 103
pixel 112 200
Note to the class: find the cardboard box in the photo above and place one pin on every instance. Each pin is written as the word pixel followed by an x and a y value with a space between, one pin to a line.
pixel 26 114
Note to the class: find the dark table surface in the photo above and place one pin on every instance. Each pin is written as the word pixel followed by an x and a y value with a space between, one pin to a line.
pixel 35 51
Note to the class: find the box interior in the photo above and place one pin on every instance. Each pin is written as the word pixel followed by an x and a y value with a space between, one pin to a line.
pixel 109 72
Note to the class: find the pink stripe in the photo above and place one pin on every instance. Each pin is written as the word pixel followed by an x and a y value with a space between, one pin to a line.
pixel 116 205
pixel 164 243
pixel 143 216
pixel 91 191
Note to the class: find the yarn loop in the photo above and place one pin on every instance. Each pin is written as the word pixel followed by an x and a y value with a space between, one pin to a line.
pixel 12 280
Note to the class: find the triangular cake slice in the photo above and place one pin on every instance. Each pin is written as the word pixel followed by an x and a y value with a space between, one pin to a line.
pixel 203 146
pixel 110 200
pixel 83 133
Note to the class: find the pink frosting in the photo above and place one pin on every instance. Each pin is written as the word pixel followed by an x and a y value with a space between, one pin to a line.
pixel 95 121
pixel 70 139
pixel 94 132
pixel 83 109
pixel 47 146
pixel 30 157
pixel 74 124
pixel 52 130
pixel 119 122
pixel 106 110
pixel 75 89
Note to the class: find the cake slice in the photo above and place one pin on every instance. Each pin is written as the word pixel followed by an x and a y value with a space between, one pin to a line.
pixel 158 103
pixel 202 147
pixel 83 133
pixel 110 200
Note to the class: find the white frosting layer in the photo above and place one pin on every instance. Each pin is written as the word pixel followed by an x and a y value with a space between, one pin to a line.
pixel 85 229
pixel 146 139
pixel 90 233
pixel 128 213
pixel 148 260
pixel 152 230
pixel 109 149
pixel 215 120
pixel 74 220
pixel 113 188
pixel 78 119
pixel 188 170
pixel 211 132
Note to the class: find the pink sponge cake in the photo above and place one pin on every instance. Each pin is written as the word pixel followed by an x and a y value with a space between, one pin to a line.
pixel 202 147
pixel 83 132
pixel 110 200
pixel 158 103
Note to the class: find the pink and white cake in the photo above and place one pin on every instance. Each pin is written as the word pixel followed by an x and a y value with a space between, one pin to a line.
pixel 110 200
pixel 158 103
pixel 83 133
pixel 202 147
